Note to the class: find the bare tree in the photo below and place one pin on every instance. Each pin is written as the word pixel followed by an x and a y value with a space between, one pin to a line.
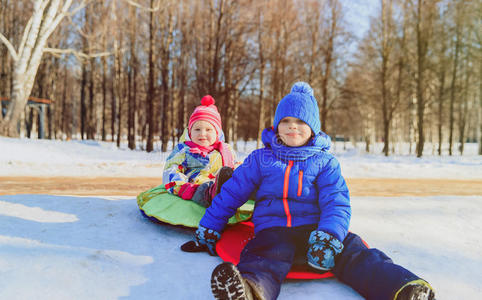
pixel 329 55
pixel 132 80
pixel 442 74
pixel 262 64
pixel 46 16
pixel 151 93
pixel 166 40
pixel 385 49
pixel 455 67
pixel 423 14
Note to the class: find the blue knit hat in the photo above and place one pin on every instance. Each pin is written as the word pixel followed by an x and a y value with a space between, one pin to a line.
pixel 299 103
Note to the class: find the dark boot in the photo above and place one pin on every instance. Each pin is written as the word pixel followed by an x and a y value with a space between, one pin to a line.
pixel 228 284
pixel 224 174
pixel 416 291
pixel 202 194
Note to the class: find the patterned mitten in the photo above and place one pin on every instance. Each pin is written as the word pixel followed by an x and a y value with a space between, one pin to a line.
pixel 207 237
pixel 323 249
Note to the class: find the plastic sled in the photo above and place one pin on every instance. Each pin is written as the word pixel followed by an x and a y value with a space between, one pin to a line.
pixel 159 205
pixel 235 237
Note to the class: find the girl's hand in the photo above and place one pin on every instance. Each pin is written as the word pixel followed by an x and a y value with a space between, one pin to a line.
pixel 187 190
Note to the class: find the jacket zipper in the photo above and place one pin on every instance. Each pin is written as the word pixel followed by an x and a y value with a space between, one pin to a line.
pixel 300 183
pixel 285 193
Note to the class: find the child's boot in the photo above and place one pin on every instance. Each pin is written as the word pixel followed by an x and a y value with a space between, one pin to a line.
pixel 416 291
pixel 224 174
pixel 228 284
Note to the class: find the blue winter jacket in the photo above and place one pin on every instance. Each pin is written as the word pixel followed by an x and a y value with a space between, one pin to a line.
pixel 294 186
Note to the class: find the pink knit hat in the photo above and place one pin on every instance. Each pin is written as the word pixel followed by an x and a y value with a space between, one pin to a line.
pixel 208 112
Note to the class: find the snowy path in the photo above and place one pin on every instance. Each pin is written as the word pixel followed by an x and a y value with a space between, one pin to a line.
pixel 131 186
pixel 66 247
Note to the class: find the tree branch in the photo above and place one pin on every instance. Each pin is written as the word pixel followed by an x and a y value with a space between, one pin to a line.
pixel 25 34
pixel 76 53
pixel 9 46
pixel 74 11
pixel 133 3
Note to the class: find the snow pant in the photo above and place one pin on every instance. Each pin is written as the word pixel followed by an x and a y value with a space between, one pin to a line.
pixel 268 257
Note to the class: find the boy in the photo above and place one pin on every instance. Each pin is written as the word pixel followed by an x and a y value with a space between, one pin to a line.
pixel 302 210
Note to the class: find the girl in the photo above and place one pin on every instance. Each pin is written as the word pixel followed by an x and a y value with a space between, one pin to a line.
pixel 190 170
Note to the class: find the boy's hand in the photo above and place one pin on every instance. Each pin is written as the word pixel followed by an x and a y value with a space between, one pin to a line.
pixel 323 249
pixel 208 238
pixel 187 190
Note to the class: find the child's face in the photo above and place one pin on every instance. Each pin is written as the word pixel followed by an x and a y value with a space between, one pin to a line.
pixel 203 133
pixel 294 132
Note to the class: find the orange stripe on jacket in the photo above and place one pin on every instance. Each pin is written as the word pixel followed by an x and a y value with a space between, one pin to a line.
pixel 285 193
pixel 300 183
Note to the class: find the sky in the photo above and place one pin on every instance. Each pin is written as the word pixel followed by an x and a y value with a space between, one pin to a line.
pixel 91 247
pixel 358 13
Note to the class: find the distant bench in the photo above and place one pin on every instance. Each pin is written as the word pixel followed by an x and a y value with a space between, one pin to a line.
pixel 37 103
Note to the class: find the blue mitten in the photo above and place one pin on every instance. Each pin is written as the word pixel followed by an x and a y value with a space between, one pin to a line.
pixel 208 238
pixel 323 249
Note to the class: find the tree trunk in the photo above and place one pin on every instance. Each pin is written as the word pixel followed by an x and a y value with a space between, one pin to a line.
pixel 132 82
pixel 150 83
pixel 91 110
pixel 440 113
pixel 132 108
pixel 119 85
pixel 422 45
pixel 83 109
pixel 261 121
pixel 113 106
pixel 182 83
pixel 387 105
pixel 83 82
pixel 328 59
pixel 479 125
pixel 104 97
pixel 463 108
pixel 67 109
pixel 235 122
pixel 453 87
pixel 166 58
pixel 174 107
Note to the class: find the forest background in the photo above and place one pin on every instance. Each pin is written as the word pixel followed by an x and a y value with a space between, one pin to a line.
pixel 132 71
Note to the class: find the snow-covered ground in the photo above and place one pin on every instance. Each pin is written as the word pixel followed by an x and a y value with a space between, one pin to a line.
pixel 23 157
pixel 69 247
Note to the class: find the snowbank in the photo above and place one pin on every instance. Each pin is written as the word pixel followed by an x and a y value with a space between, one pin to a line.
pixel 27 157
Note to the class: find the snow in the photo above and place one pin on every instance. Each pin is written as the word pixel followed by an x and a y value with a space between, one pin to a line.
pixel 71 247
pixel 23 157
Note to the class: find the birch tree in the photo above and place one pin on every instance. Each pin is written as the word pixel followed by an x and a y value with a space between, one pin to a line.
pixel 46 16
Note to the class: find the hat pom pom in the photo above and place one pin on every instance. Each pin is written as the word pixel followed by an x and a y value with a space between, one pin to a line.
pixel 207 100
pixel 302 87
